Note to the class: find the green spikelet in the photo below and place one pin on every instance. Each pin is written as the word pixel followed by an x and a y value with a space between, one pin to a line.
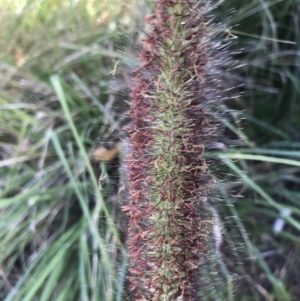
pixel 168 175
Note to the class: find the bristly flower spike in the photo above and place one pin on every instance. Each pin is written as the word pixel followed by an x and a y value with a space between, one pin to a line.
pixel 168 175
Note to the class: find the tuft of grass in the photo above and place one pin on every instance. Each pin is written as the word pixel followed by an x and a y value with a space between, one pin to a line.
pixel 59 237
pixel 263 167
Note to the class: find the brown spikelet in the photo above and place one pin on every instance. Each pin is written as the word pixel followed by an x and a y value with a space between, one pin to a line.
pixel 168 176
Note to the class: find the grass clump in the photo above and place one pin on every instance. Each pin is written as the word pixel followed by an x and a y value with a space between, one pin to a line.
pixel 58 237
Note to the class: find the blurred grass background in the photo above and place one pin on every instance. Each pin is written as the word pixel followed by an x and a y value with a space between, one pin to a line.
pixel 59 233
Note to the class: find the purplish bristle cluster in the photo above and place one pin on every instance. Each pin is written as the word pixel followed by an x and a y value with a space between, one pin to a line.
pixel 168 133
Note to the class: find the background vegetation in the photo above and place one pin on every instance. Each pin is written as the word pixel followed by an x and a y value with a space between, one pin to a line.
pixel 58 231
